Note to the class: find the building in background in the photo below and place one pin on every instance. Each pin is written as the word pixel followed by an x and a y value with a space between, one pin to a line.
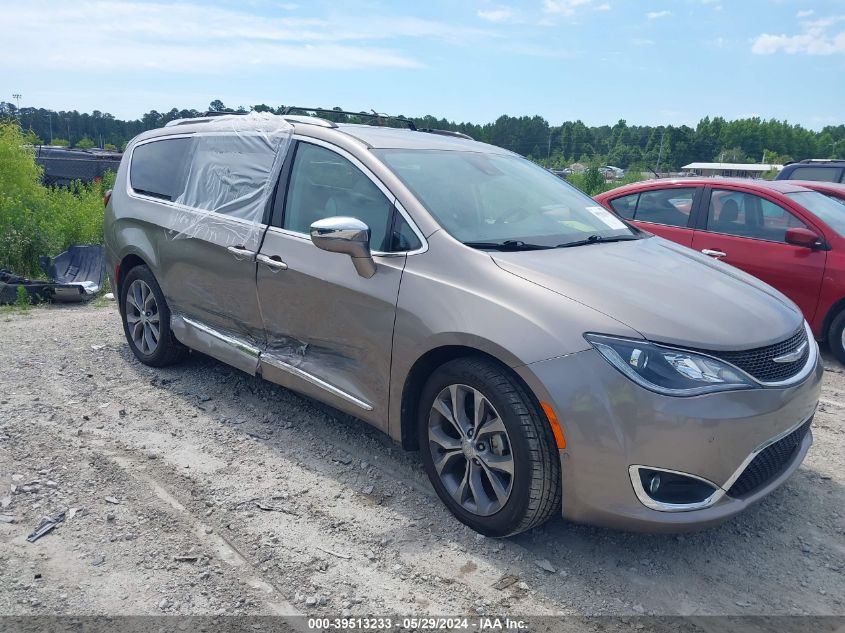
pixel 730 170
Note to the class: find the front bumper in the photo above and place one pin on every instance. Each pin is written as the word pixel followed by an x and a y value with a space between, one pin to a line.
pixel 611 424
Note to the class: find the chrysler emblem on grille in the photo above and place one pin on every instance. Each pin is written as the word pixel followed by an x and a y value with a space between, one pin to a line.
pixel 791 357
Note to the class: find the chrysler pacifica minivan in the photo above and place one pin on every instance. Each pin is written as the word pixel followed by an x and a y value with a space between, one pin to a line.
pixel 542 354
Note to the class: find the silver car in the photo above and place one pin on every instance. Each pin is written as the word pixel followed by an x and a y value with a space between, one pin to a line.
pixel 544 356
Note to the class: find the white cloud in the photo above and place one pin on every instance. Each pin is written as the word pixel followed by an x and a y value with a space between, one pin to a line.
pixel 805 14
pixel 103 35
pixel 817 38
pixel 602 7
pixel 639 41
pixel 564 7
pixel 499 14
pixel 654 15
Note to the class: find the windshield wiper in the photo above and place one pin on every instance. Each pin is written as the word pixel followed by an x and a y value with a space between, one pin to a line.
pixel 508 245
pixel 595 239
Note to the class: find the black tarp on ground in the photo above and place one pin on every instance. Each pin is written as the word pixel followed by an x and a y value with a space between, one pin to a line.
pixel 75 275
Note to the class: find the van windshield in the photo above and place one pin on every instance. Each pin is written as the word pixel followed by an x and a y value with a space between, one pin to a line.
pixel 502 201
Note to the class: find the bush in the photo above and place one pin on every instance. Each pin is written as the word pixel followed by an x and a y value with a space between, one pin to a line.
pixel 37 220
pixel 592 183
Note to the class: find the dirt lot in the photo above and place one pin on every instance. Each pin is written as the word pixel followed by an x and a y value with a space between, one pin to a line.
pixel 200 490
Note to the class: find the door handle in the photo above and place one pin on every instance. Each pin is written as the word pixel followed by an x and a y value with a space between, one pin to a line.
pixel 240 252
pixel 273 262
pixel 714 253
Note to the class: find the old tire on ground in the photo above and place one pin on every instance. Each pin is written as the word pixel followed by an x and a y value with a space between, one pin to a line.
pixel 836 336
pixel 488 451
pixel 146 320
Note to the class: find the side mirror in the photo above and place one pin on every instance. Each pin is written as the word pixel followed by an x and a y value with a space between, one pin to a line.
pixel 346 235
pixel 799 236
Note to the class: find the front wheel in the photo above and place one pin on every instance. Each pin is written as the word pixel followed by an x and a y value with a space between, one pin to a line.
pixel 487 450
pixel 836 336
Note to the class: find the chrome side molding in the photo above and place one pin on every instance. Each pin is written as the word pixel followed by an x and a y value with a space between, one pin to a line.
pixel 311 378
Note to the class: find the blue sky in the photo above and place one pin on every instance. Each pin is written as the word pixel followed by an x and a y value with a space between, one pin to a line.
pixel 650 61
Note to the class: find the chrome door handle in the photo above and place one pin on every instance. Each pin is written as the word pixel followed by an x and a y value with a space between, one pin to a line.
pixel 275 262
pixel 240 252
pixel 714 253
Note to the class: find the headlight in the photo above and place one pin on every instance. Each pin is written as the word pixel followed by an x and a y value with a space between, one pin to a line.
pixel 672 372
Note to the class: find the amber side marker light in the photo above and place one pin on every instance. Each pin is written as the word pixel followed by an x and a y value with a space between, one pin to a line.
pixel 558 432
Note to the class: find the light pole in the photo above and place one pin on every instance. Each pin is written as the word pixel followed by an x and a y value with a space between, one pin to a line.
pixel 17 98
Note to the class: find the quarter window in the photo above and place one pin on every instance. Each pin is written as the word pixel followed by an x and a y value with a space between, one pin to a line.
pixel 748 215
pixel 159 168
pixel 324 184
pixel 626 206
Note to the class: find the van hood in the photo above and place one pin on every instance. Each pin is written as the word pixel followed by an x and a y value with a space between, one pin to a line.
pixel 668 293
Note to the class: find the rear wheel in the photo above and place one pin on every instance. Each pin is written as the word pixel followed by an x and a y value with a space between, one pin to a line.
pixel 146 320
pixel 489 454
pixel 836 336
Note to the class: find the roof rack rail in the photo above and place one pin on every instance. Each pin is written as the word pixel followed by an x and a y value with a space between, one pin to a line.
pixel 309 120
pixel 448 133
pixel 820 160
pixel 176 122
pixel 373 115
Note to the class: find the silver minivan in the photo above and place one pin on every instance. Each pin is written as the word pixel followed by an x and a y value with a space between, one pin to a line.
pixel 543 355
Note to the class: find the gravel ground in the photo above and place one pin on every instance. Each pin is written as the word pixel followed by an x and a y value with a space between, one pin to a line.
pixel 199 490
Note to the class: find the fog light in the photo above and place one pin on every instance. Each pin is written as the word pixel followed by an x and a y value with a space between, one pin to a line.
pixel 674 488
pixel 654 484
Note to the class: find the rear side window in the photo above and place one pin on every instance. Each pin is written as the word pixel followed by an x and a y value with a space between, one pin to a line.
pixel 824 174
pixel 671 207
pixel 158 168
pixel 223 173
pixel 748 215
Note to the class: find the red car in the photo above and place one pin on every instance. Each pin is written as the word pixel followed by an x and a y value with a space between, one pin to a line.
pixel 782 232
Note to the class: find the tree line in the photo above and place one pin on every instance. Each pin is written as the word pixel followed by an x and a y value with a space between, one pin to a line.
pixel 661 148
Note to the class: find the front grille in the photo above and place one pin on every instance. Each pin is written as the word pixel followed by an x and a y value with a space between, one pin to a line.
pixel 759 362
pixel 769 463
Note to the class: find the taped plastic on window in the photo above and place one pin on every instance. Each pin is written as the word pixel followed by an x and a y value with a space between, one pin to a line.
pixel 229 180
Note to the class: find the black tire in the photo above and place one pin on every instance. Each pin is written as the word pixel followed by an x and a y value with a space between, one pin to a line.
pixel 168 350
pixel 536 483
pixel 835 334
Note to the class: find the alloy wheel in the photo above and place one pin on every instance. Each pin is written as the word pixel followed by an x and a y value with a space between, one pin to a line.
pixel 470 449
pixel 142 316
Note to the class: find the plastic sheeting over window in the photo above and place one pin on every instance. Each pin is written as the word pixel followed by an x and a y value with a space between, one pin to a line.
pixel 224 182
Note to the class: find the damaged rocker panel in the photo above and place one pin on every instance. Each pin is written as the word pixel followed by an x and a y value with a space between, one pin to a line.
pixel 310 378
pixel 246 357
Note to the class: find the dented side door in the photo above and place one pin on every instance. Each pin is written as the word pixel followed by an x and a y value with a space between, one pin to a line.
pixel 329 330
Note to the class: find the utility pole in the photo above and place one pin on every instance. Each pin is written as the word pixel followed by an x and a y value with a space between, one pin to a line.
pixel 549 151
pixel 50 118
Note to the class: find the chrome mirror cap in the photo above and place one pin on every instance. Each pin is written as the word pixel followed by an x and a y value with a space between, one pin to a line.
pixel 345 235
